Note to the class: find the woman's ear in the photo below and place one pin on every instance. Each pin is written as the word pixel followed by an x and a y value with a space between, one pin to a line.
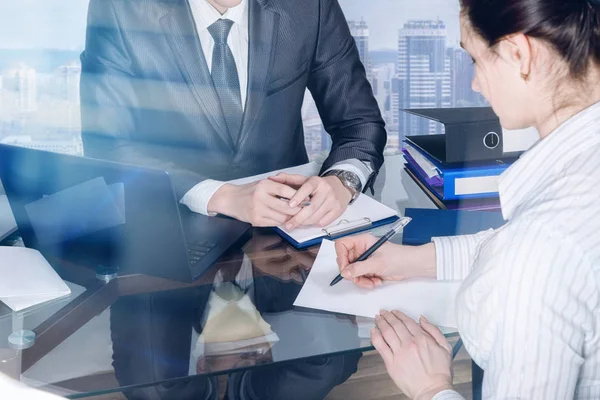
pixel 517 50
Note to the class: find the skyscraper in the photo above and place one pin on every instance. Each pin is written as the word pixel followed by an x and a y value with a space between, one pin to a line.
pixel 462 72
pixel 423 75
pixel 24 83
pixel 68 77
pixel 360 33
pixel 382 77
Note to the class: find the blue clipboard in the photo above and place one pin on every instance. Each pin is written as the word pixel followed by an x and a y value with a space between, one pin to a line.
pixel 368 225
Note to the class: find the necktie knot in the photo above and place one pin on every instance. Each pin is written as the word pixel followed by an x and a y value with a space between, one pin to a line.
pixel 220 30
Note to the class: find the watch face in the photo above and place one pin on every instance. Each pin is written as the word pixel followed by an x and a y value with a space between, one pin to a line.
pixel 351 180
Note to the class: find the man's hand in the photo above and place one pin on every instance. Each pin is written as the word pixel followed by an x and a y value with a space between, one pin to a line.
pixel 255 203
pixel 329 199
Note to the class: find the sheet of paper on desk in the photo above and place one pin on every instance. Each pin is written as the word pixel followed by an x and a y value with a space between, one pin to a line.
pixel 26 278
pixel 434 300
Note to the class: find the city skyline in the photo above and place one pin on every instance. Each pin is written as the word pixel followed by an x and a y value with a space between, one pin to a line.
pixel 421 70
pixel 60 24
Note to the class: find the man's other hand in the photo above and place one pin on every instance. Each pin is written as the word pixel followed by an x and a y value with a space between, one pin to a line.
pixel 329 199
pixel 255 203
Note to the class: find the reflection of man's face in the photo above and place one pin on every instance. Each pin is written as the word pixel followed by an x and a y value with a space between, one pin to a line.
pixel 248 357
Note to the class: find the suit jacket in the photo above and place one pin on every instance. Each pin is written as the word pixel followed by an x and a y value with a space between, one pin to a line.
pixel 148 98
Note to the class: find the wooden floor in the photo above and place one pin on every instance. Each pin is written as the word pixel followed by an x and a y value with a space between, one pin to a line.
pixel 371 382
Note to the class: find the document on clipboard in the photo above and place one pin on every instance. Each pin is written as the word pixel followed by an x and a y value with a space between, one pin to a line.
pixel 364 214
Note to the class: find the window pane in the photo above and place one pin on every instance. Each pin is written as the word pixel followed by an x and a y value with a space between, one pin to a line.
pixel 410 51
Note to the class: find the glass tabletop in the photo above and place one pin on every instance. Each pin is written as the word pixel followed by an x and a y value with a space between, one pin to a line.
pixel 139 333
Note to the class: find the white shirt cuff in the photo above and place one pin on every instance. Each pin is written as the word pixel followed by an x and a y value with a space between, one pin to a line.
pixel 447 395
pixel 362 169
pixel 197 198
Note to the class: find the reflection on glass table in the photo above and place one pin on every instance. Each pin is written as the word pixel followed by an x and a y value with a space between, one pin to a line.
pixel 151 337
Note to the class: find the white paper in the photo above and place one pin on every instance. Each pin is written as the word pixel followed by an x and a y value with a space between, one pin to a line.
pixel 27 278
pixel 363 207
pixel 7 221
pixel 426 165
pixel 434 300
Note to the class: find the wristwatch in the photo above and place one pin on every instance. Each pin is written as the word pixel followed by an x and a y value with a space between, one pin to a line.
pixel 349 179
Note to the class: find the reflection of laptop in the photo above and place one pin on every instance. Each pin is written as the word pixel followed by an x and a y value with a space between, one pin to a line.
pixel 111 216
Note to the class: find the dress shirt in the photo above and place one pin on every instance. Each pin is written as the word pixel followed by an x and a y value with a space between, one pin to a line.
pixel 198 197
pixel 527 310
pixel 204 16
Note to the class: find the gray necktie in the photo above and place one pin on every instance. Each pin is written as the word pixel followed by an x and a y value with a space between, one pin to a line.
pixel 225 77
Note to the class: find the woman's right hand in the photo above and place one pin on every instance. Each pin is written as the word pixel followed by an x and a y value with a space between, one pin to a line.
pixel 390 262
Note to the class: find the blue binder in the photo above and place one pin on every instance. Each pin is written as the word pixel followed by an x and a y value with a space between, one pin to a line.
pixel 456 174
pixel 428 223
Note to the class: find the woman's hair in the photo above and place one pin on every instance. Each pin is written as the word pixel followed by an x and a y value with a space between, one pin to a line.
pixel 572 27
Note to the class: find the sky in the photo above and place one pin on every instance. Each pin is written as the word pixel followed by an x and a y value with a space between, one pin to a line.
pixel 60 24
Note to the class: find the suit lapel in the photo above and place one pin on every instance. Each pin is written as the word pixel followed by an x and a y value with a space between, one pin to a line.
pixel 180 29
pixel 262 30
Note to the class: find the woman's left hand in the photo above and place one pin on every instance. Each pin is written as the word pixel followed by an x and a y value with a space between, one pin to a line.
pixel 417 356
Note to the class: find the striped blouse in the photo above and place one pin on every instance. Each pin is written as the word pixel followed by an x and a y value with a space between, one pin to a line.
pixel 528 306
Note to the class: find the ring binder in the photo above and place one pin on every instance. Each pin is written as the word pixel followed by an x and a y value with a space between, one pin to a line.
pixel 348 227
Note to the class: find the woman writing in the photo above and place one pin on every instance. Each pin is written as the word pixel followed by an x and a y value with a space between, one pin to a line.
pixel 528 308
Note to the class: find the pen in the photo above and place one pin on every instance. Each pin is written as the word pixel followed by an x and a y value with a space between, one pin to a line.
pixel 304 204
pixel 397 227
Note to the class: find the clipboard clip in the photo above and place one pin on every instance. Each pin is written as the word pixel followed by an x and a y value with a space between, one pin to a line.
pixel 345 227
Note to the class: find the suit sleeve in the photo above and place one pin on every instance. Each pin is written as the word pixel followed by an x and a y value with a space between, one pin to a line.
pixel 343 95
pixel 111 110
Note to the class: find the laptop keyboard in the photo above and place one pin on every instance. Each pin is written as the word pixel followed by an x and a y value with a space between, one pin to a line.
pixel 199 249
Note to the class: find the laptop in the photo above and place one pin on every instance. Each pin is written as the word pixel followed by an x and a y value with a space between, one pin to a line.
pixel 111 217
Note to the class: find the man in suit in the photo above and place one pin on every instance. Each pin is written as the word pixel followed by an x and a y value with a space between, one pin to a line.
pixel 211 90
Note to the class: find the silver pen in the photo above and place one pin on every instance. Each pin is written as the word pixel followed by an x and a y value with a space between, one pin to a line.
pixel 301 205
pixel 397 227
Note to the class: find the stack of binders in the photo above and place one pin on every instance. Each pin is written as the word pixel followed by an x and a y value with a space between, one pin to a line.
pixel 459 170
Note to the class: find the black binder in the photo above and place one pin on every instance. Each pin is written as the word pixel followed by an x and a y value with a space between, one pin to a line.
pixel 472 134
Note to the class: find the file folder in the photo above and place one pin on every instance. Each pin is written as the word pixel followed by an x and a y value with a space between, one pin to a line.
pixel 471 134
pixel 482 204
pixel 477 180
